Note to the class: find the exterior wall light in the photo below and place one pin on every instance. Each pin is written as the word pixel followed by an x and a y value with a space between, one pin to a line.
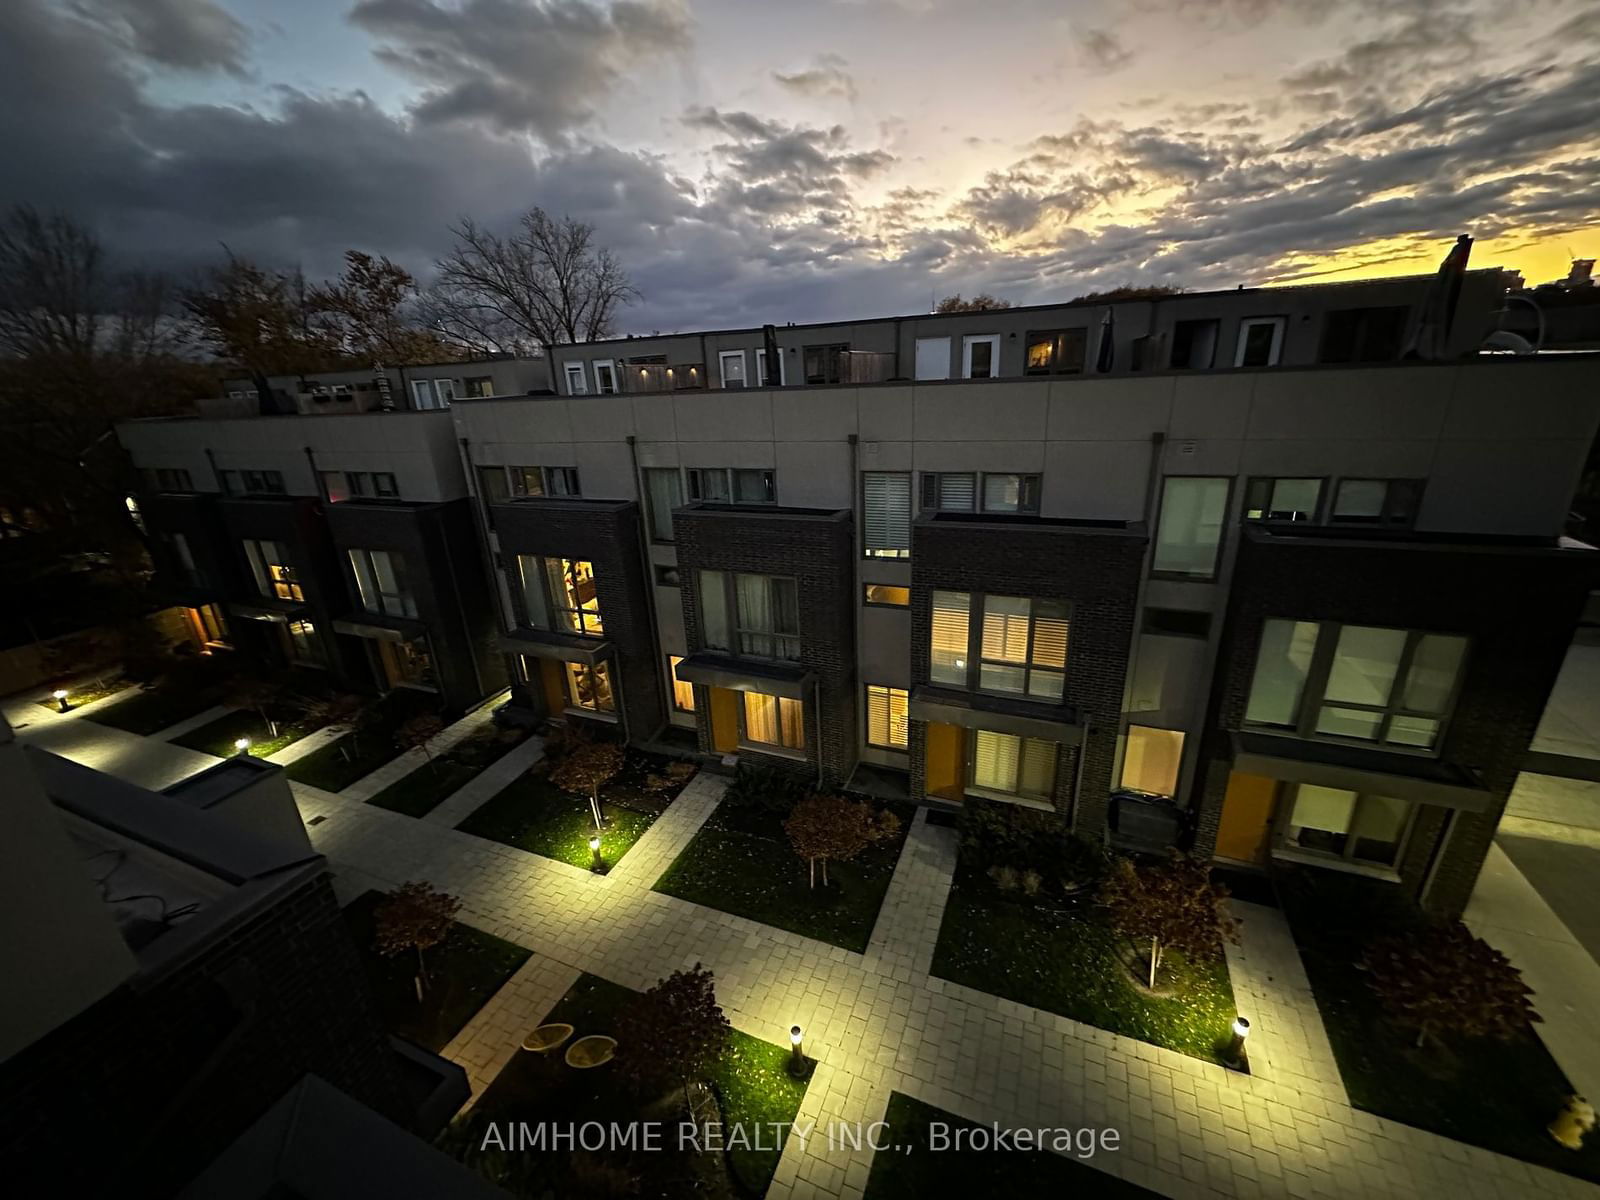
pixel 242 746
pixel 60 697
pixel 1235 1057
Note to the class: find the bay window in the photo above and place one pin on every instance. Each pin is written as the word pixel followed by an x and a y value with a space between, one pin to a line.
pixel 560 594
pixel 381 580
pixel 1006 765
pixel 1008 645
pixel 1343 825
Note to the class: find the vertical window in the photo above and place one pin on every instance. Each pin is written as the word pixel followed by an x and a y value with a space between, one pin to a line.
pixel 492 485
pixel 561 481
pixel 212 624
pixel 384 485
pixel 774 721
pixel 768 616
pixel 1008 765
pixel 574 598
pixel 886 514
pixel 1056 352
pixel 1194 345
pixel 381 580
pixel 589 687
pixel 980 356
pixel 605 376
pixel 715 633
pixel 1283 499
pixel 887 710
pixel 730 365
pixel 335 487
pixel 1338 824
pixel 577 383
pixel 422 393
pixel 948 651
pixel 763 377
pixel 536 611
pixel 822 362
pixel 682 689
pixel 1260 342
pixel 274 576
pixel 478 386
pixel 664 491
pixel 1189 532
pixel 1151 760
pixel 933 358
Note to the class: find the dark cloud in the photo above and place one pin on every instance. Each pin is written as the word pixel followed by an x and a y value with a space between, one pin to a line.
pixel 190 35
pixel 1101 49
pixel 519 67
pixel 827 76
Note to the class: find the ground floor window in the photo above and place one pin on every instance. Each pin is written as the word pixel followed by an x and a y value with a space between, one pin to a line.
pixel 590 687
pixel 304 644
pixel 1151 760
pixel 682 689
pixel 887 709
pixel 407 664
pixel 774 721
pixel 1348 826
pixel 1008 765
pixel 208 625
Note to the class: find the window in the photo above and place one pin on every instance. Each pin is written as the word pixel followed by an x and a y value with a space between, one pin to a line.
pixel 1151 760
pixel 543 481
pixel 1343 825
pixel 667 575
pixel 477 386
pixel 561 481
pixel 1006 765
pixel 887 710
pixel 305 647
pixel 933 358
pixel 767 609
pixel 714 628
pixel 950 491
pixel 433 393
pixel 1356 682
pixel 822 362
pixel 1282 499
pixel 1056 352
pixel 980 356
pixel 381 580
pixel 1189 532
pixel 1376 502
pixel 1260 342
pixel 173 479
pixel 275 578
pixel 730 366
pixel 384 486
pixel 560 594
pixel 762 377
pixel 664 492
pixel 1017 646
pixel 886 514
pixel 492 485
pixel 213 625
pixel 1177 622
pixel 682 689
pixel 1003 493
pixel 340 486
pixel 1194 345
pixel 886 595
pixel 262 483
pixel 605 376
pixel 336 487
pixel 774 721
pixel 1351 335
pixel 738 485
pixel 577 382
pixel 589 687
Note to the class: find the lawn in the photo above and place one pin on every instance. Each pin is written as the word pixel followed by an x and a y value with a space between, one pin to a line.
pixel 419 793
pixel 908 1169
pixel 1498 1095
pixel 463 972
pixel 1060 954
pixel 337 765
pixel 218 737
pixel 749 1080
pixel 155 709
pixel 532 814
pixel 86 693
pixel 742 862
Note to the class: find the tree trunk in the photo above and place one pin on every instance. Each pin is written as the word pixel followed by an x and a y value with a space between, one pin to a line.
pixel 1422 1036
pixel 824 872
pixel 594 806
pixel 1155 960
pixel 422 968
pixel 812 863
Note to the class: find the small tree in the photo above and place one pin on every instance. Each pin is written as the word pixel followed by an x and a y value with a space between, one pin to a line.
pixel 414 917
pixel 674 1033
pixel 588 767
pixel 1441 979
pixel 342 708
pixel 263 695
pixel 824 827
pixel 418 734
pixel 1172 905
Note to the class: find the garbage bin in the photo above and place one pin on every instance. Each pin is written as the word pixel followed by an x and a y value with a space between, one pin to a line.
pixel 1145 820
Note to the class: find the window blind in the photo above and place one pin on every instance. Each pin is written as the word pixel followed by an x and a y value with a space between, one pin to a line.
pixel 887 504
pixel 948 649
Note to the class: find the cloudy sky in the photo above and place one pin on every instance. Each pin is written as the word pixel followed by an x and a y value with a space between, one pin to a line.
pixel 775 160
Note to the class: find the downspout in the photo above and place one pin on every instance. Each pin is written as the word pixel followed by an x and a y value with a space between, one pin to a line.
pixel 1077 781
pixel 816 705
pixel 491 575
pixel 649 579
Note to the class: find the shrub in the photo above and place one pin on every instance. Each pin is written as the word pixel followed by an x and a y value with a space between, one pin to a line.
pixel 1005 878
pixel 1171 905
pixel 769 788
pixel 1026 839
pixel 1442 979
pixel 1031 882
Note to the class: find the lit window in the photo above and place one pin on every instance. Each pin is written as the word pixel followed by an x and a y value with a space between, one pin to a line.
pixel 774 721
pixel 305 647
pixel 1056 352
pixel 682 689
pixel 886 514
pixel 1193 509
pixel 561 594
pixel 589 687
pixel 1151 760
pixel 1006 765
pixel 1344 825
pixel 1020 650
pixel 948 649
pixel 886 595
pixel 1007 493
pixel 887 710
pixel 274 577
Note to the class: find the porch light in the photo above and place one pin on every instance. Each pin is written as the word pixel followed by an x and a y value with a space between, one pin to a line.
pixel 241 745
pixel 1234 1056
pixel 60 697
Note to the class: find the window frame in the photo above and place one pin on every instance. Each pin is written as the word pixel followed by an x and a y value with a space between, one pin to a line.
pixel 968 341
pixel 975 658
pixel 1317 515
pixel 599 670
pixel 831 353
pixel 1056 336
pixel 868 602
pixel 273 572
pixel 608 365
pixel 1289 794
pixel 762 380
pixel 722 370
pixel 654 516
pixel 777 749
pixel 568 370
pixel 1384 520
pixel 1216 338
pixel 1157 572
pixel 1045 800
pixel 674 684
pixel 892 553
pixel 889 690
pixel 261 482
pixel 1280 325
pixel 581 618
pixel 695 478
pixel 399 570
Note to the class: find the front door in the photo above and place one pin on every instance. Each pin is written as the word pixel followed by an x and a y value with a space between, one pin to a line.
pixel 1246 818
pixel 945 762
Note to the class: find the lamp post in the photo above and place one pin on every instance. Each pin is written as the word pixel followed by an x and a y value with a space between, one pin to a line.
pixel 797 1058
pixel 1235 1057
pixel 241 747
pixel 598 866
pixel 60 697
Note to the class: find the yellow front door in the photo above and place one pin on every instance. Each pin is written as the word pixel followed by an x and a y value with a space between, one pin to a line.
pixel 1246 817
pixel 945 762
pixel 725 704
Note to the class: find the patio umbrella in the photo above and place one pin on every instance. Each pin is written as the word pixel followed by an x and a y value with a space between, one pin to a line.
pixel 1439 305
pixel 1108 348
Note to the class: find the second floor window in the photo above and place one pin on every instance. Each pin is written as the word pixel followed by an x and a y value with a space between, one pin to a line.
pixel 252 483
pixel 992 491
pixel 1056 352
pixel 274 576
pixel 381 580
pixel 1375 502
pixel 340 486
pixel 886 514
pixel 664 490
pixel 1189 532
pixel 1009 645
pixel 561 594
pixel 736 485
pixel 1283 499
pixel 1356 682
pixel 754 615
pixel 543 481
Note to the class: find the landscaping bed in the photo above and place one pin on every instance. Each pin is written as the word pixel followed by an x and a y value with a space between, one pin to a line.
pixel 154 709
pixel 749 1081
pixel 86 693
pixel 463 972
pixel 742 862
pixel 1499 1095
pixel 218 737
pixel 533 814
pixel 358 753
pixel 420 792
pixel 909 1169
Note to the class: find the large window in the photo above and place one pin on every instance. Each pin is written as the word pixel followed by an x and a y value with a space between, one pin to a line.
pixel 664 490
pixel 821 363
pixel 274 576
pixel 1342 825
pixel 765 610
pixel 1151 760
pixel 1006 765
pixel 887 710
pixel 1056 352
pixel 1356 682
pixel 735 485
pixel 992 491
pixel 886 514
pixel 560 594
pixel 381 580
pixel 774 721
pixel 1009 645
pixel 1194 345
pixel 682 689
pixel 1268 499
pixel 433 393
pixel 340 486
pixel 1189 533
pixel 589 687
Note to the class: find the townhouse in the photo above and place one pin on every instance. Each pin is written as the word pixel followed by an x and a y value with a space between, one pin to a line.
pixel 1232 571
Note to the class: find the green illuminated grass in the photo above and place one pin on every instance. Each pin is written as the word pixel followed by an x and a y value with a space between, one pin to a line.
pixel 337 765
pixel 217 737
pixel 1062 956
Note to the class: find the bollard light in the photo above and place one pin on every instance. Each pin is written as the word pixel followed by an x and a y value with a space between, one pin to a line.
pixel 241 745
pixel 797 1058
pixel 1235 1056
pixel 598 866
pixel 60 696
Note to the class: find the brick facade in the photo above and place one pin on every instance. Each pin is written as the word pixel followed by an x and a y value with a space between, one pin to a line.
pixel 1517 605
pixel 607 535
pixel 138 1092
pixel 816 549
pixel 1095 570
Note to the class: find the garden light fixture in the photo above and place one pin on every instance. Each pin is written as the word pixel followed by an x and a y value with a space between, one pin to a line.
pixel 242 745
pixel 598 866
pixel 797 1058
pixel 1234 1057
pixel 60 695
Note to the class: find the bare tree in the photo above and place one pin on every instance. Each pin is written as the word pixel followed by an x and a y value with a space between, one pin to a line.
pixel 545 284
pixel 374 310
